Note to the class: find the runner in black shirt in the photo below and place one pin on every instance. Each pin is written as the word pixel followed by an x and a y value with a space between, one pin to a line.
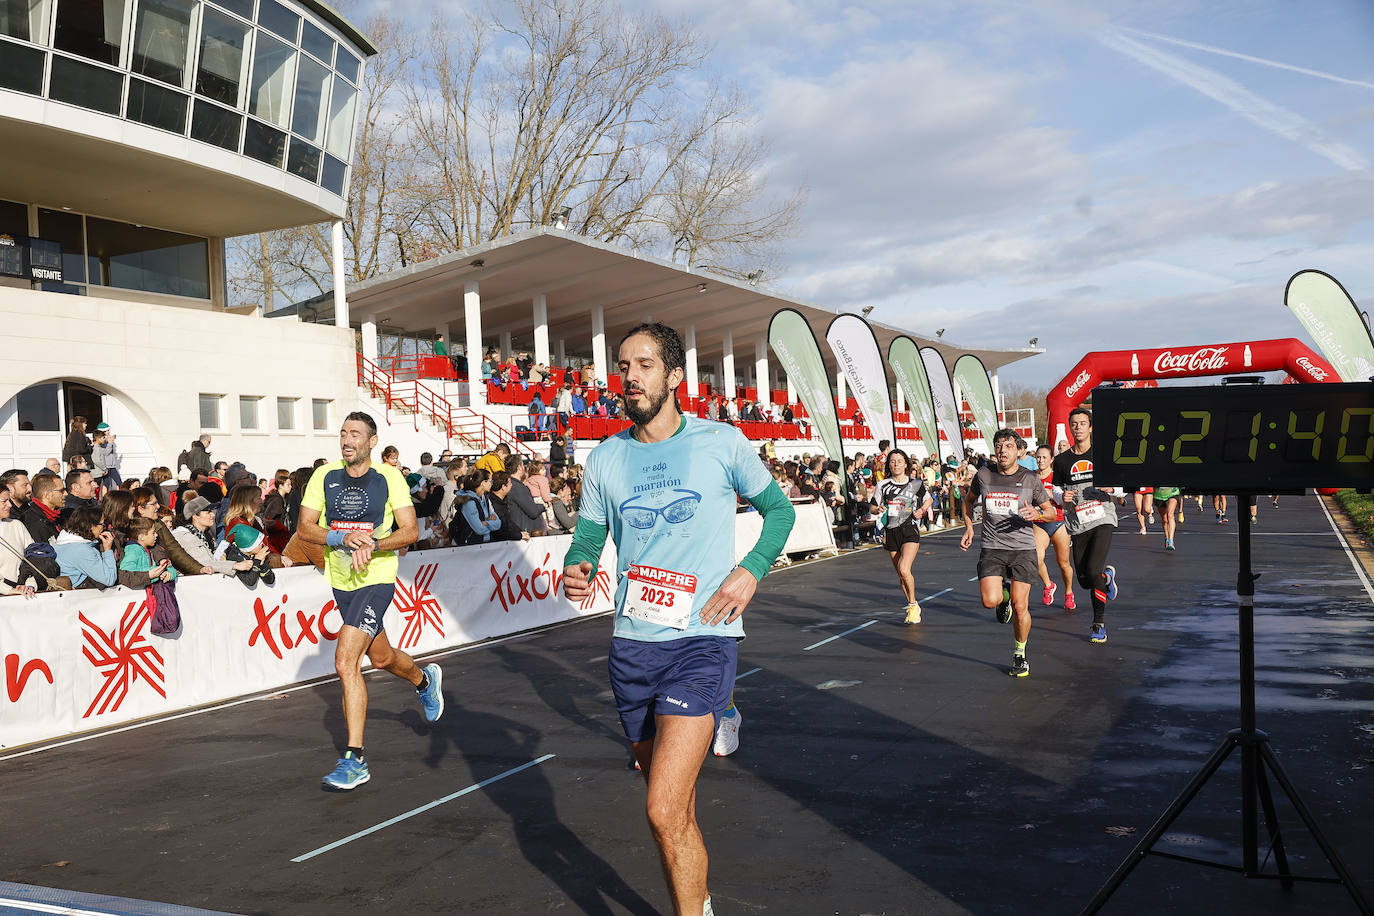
pixel 1090 512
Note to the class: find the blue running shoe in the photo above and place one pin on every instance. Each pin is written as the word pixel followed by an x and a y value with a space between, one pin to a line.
pixel 1099 633
pixel 349 773
pixel 432 700
pixel 1168 543
pixel 1110 573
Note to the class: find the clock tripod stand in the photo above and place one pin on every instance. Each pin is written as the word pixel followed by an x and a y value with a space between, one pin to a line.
pixel 1256 758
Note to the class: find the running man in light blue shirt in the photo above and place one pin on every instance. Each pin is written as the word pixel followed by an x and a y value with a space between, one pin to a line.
pixel 666 491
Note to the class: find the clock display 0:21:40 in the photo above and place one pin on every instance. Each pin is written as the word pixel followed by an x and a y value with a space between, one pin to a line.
pixel 1302 436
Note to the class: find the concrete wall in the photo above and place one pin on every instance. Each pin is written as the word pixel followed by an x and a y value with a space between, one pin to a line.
pixel 157 360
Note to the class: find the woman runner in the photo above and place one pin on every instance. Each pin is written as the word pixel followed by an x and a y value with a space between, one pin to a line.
pixel 1169 502
pixel 907 500
pixel 1047 533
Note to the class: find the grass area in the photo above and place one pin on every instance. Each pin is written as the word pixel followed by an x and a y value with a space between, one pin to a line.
pixel 1360 509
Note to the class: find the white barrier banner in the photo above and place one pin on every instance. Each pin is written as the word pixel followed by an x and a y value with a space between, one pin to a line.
pixel 81 660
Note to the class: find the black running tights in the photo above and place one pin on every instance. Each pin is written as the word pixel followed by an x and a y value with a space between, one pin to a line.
pixel 1089 559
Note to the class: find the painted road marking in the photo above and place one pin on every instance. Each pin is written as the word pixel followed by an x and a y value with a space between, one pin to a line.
pixel 838 635
pixel 741 677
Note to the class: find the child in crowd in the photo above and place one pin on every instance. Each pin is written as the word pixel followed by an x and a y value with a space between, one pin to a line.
pixel 143 561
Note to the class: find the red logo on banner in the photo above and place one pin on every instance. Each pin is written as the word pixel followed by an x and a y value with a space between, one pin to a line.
pixel 542 583
pixel 307 626
pixel 122 656
pixel 17 677
pixel 418 606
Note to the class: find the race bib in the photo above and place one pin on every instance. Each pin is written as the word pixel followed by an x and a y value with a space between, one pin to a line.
pixel 1091 512
pixel 1002 503
pixel 350 526
pixel 660 596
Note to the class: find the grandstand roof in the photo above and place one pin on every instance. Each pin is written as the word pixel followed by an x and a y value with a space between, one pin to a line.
pixel 575 273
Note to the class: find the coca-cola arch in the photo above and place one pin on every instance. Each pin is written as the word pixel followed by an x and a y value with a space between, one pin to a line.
pixel 1140 366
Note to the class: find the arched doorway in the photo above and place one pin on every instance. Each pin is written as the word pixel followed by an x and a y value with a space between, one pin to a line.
pixel 34 425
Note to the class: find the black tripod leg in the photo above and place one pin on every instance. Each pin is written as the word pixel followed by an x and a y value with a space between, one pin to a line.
pixel 1328 850
pixel 1271 823
pixel 1147 842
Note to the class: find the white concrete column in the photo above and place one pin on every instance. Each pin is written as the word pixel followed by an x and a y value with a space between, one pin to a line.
pixel 560 353
pixel 472 331
pixel 370 338
pixel 762 377
pixel 541 329
pixel 999 406
pixel 791 390
pixel 599 341
pixel 727 364
pixel 507 351
pixel 839 387
pixel 340 285
pixel 693 382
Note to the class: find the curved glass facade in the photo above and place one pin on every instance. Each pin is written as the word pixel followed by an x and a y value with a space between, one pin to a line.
pixel 263 78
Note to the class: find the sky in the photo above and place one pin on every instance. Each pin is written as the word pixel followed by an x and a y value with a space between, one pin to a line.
pixel 1096 175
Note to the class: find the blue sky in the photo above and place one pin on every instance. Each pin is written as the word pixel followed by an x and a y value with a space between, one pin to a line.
pixel 1093 174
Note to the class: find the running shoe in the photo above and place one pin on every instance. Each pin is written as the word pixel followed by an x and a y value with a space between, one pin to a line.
pixel 913 612
pixel 1047 597
pixel 1019 666
pixel 1099 633
pixel 1168 543
pixel 432 700
pixel 1110 573
pixel 1004 609
pixel 727 733
pixel 1069 604
pixel 349 773
pixel 1141 531
pixel 1152 518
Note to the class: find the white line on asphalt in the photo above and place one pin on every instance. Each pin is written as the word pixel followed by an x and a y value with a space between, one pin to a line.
pixel 838 635
pixel 938 594
pixel 35 907
pixel 1369 590
pixel 422 809
pixel 741 677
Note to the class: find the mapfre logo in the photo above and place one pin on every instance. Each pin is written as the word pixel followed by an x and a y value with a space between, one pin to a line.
pixel 1078 383
pixel 1203 359
pixel 1317 372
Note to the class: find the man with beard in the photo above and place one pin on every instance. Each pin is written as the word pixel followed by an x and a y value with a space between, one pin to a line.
pixel 666 490
pixel 362 515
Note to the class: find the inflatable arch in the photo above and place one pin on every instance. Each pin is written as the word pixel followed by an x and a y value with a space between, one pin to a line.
pixel 1138 367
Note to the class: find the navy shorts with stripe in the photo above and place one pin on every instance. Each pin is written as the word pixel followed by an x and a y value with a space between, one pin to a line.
pixel 365 607
pixel 681 677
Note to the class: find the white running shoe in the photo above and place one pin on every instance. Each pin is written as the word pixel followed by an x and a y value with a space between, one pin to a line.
pixel 913 612
pixel 727 734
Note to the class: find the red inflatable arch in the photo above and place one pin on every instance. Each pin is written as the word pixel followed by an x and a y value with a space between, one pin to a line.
pixel 1138 368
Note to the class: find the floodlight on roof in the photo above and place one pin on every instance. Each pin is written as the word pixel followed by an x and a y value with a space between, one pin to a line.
pixel 867 309
pixel 701 288
pixel 754 276
pixel 560 219
pixel 1034 341
pixel 940 333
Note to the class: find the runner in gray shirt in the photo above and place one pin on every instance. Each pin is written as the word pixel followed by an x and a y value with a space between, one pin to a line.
pixel 1013 500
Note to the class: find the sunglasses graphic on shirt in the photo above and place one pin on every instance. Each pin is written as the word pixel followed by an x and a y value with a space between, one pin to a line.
pixel 675 513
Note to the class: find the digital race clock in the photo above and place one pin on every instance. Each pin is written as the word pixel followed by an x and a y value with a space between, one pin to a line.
pixel 1257 438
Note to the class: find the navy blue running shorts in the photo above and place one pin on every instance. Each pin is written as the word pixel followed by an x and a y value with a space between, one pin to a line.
pixel 681 677
pixel 365 607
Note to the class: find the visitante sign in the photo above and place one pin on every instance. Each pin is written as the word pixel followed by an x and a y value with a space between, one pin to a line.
pixel 30 258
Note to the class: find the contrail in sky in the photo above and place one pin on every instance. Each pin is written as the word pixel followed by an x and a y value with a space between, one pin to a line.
pixel 1242 101
pixel 1212 49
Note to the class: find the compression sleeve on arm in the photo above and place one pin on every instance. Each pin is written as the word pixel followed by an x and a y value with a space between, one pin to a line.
pixel 588 541
pixel 778 517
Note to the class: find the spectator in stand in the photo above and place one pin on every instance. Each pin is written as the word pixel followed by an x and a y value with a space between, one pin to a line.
pixel 731 414
pixel 616 407
pixel 495 460
pixel 537 374
pixel 490 367
pixel 536 414
pixel 195 535
pixel 558 453
pixel 292 503
pixel 52 466
pixel 208 487
pixel 197 457
pixel 16 483
pixel 713 408
pixel 454 475
pixel 80 493
pixel 85 551
pixel 579 403
pixel 392 456
pixel 524 511
pixel 273 514
pixel 142 562
pixel 429 470
pixel 41 515
pixel 508 529
pixel 145 505
pixel 117 510
pixel 162 483
pixel 563 404
pixel 105 458
pixel 16 577
pixel 588 374
pixel 536 482
pixel 564 518
pixel 245 502
pixel 787 415
pixel 77 443
pixel 514 375
pixel 474 518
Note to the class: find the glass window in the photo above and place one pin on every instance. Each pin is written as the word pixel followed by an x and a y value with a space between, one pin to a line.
pixel 220 75
pixel 212 124
pixel 248 412
pixel 26 20
pixel 14 218
pixel 341 104
pixel 312 85
pixel 319 410
pixel 243 7
pixel 162 37
pixel 36 409
pixel 157 106
pixel 21 68
pixel 265 144
pixel 272 15
pixel 146 259
pixel 333 175
pixel 61 226
pixel 303 160
pixel 346 65
pixel 314 40
pixel 78 83
pixel 209 411
pixel 91 28
pixel 274 69
pixel 286 413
